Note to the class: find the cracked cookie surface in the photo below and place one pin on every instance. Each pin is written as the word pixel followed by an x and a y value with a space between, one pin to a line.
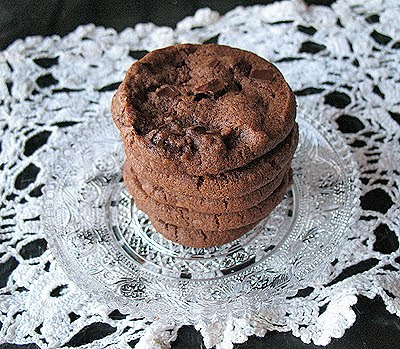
pixel 230 184
pixel 203 109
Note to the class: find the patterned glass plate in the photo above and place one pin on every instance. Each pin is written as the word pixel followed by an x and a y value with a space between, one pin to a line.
pixel 110 249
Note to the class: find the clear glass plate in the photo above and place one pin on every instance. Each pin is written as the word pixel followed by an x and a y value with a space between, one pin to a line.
pixel 110 249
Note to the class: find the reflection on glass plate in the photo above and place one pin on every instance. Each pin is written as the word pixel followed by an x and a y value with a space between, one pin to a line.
pixel 109 247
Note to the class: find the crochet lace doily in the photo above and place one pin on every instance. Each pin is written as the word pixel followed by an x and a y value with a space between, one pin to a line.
pixel 343 64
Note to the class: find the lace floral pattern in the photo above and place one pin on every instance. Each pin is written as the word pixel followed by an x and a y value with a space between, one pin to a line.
pixel 343 64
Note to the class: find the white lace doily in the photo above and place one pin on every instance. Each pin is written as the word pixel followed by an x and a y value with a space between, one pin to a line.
pixel 343 64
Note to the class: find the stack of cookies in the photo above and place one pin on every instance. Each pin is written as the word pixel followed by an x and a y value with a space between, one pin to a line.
pixel 209 133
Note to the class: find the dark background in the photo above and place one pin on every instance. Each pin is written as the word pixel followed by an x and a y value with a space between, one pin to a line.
pixel 20 18
pixel 374 328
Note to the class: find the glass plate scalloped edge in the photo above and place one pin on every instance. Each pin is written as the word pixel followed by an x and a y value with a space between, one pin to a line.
pixel 109 248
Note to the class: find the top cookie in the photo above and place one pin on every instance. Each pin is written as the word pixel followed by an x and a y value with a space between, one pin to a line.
pixel 203 109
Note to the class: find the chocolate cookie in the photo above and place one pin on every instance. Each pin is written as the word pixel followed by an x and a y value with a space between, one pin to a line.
pixel 190 219
pixel 202 109
pixel 201 203
pixel 230 184
pixel 197 237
